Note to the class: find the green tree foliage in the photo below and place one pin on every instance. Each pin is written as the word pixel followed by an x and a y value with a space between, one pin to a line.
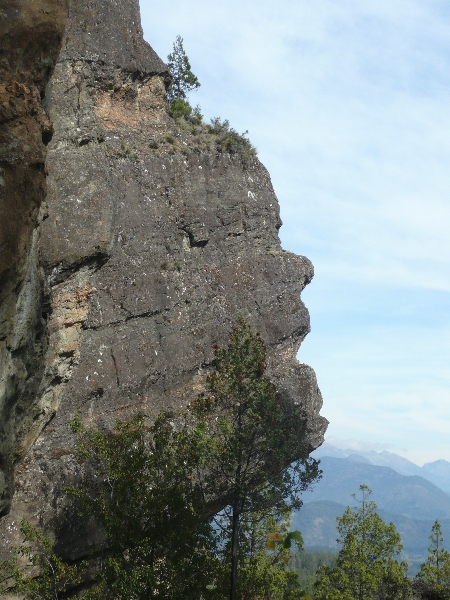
pixel 436 571
pixel 35 572
pixel 152 492
pixel 265 547
pixel 183 82
pixel 183 79
pixel 365 568
pixel 252 439
pixel 181 109
pixel 157 535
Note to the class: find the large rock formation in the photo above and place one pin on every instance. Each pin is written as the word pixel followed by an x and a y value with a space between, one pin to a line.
pixel 147 245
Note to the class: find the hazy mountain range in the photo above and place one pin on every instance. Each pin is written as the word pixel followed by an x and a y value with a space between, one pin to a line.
pixel 317 522
pixel 438 472
pixel 410 496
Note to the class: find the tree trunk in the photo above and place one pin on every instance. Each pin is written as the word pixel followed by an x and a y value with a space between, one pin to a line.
pixel 234 554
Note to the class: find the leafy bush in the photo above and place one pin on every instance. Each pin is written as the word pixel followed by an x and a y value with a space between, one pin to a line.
pixel 151 512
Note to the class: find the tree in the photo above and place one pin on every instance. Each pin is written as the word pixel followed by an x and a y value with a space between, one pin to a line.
pixel 45 576
pixel 436 571
pixel 157 535
pixel 252 440
pixel 265 547
pixel 183 79
pixel 153 490
pixel 365 568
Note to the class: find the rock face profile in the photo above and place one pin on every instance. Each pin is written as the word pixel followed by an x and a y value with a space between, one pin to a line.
pixel 125 258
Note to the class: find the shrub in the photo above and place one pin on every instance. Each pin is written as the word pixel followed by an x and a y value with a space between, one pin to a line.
pixel 179 109
pixel 229 140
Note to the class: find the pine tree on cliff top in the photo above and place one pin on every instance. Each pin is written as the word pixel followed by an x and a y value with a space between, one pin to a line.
pixel 183 79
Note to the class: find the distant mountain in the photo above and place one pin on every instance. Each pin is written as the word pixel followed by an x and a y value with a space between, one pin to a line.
pixel 317 522
pixel 437 472
pixel 411 496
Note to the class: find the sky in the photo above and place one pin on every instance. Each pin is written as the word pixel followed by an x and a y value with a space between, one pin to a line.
pixel 348 105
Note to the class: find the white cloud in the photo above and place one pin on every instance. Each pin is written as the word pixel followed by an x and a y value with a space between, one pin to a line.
pixel 357 445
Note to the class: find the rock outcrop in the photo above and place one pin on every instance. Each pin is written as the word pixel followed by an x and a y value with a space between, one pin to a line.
pixel 146 246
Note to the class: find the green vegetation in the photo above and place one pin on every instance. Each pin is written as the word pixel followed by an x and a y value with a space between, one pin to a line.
pixel 436 571
pixel 198 504
pixel 220 138
pixel 250 441
pixel 154 492
pixel 183 82
pixel 272 564
pixel 35 572
pixel 306 565
pixel 365 568
pixel 182 110
pixel 265 547
pixel 228 140
pixel 183 79
pixel 217 136
pixel 157 534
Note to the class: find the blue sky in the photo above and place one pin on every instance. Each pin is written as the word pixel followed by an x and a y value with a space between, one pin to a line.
pixel 348 104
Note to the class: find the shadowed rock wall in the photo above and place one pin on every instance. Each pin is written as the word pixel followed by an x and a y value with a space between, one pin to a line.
pixel 148 247
pixel 31 33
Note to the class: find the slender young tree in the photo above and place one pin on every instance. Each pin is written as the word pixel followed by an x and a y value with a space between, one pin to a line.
pixel 436 571
pixel 256 451
pixel 366 568
pixel 265 547
pixel 183 79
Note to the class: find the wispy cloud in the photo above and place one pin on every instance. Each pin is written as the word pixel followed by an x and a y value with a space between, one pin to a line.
pixel 349 105
pixel 357 445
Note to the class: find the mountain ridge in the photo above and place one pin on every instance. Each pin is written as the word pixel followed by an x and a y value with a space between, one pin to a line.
pixel 408 495
pixel 317 522
pixel 437 472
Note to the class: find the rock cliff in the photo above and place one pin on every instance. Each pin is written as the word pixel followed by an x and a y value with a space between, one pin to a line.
pixel 31 33
pixel 126 258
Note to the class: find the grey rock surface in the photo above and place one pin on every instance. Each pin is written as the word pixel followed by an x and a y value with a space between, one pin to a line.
pixel 147 248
